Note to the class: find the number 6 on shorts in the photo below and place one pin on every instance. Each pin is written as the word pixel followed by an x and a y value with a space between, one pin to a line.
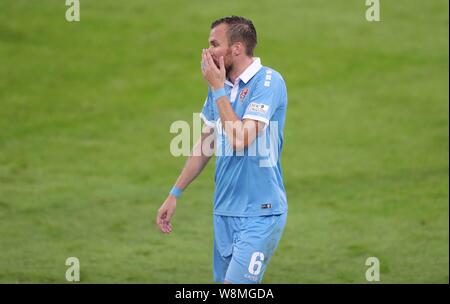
pixel 254 262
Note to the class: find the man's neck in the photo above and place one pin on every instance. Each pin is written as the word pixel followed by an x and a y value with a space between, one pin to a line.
pixel 239 67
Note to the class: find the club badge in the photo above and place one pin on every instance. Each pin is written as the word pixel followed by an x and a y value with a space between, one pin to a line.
pixel 243 94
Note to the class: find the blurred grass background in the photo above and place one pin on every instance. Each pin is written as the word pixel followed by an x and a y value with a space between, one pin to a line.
pixel 85 111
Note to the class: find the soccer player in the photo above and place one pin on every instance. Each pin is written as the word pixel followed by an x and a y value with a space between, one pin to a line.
pixel 245 113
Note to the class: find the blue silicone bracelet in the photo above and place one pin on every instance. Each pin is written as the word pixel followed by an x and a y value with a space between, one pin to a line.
pixel 218 93
pixel 176 192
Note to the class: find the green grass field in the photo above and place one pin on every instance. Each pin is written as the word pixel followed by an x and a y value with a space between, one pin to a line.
pixel 85 111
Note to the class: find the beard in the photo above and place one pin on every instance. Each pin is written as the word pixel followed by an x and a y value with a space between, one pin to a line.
pixel 228 68
pixel 228 64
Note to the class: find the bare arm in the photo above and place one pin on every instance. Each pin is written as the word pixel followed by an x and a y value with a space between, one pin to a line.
pixel 201 153
pixel 241 133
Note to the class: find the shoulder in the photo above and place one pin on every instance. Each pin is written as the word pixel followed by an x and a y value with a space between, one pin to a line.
pixel 269 78
pixel 274 73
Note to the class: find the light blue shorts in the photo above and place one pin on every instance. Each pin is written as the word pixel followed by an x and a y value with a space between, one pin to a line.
pixel 243 246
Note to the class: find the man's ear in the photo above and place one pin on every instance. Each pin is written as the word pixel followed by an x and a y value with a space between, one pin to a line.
pixel 238 48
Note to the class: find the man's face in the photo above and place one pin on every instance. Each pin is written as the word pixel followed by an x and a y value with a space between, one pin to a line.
pixel 218 46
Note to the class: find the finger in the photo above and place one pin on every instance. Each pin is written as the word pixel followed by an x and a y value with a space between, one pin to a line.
pixel 161 220
pixel 161 229
pixel 222 64
pixel 203 67
pixel 210 61
pixel 168 228
pixel 204 60
pixel 168 225
pixel 164 228
pixel 161 226
pixel 204 63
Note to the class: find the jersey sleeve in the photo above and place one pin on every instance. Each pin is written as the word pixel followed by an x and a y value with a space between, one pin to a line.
pixel 265 99
pixel 207 113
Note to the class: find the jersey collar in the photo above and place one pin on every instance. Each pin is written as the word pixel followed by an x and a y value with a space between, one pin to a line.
pixel 249 72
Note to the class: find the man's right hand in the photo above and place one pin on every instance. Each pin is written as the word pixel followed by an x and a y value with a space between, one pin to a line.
pixel 165 213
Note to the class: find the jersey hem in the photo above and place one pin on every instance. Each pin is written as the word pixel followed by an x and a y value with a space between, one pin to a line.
pixel 222 213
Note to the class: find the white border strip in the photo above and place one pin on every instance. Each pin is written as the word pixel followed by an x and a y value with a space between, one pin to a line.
pixel 258 118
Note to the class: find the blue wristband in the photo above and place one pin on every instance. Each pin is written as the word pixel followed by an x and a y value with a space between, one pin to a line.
pixel 176 192
pixel 218 93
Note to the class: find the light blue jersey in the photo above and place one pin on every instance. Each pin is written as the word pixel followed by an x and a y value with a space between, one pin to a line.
pixel 249 183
